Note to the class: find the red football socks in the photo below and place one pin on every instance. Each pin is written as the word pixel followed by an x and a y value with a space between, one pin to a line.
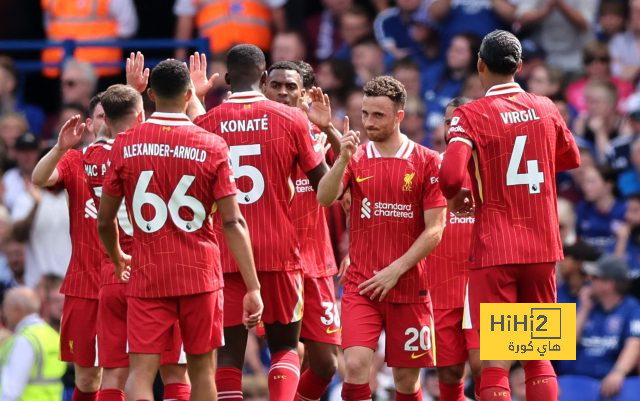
pixel 540 381
pixel 451 392
pixel 495 385
pixel 417 396
pixel 80 396
pixel 284 376
pixel 356 392
pixel 311 386
pixel 229 383
pixel 111 394
pixel 177 391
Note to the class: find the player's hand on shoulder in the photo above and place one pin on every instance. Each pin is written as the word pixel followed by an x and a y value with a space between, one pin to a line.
pixel 349 141
pixel 137 75
pixel 70 133
pixel 198 71
pixel 382 282
pixel 252 308
pixel 462 204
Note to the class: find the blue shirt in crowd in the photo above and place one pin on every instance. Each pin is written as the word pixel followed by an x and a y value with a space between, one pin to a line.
pixel 596 228
pixel 468 16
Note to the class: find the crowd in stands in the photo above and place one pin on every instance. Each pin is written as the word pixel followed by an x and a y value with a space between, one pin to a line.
pixel 583 54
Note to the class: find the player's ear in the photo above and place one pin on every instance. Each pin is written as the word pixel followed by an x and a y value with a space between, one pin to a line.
pixel 226 78
pixel 140 117
pixel 151 95
pixel 187 95
pixel 400 115
pixel 519 67
pixel 263 78
pixel 481 65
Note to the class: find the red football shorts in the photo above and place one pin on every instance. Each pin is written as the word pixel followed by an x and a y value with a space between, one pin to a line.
pixel 452 342
pixel 112 327
pixel 526 283
pixel 78 331
pixel 321 320
pixel 281 294
pixel 150 323
pixel 409 341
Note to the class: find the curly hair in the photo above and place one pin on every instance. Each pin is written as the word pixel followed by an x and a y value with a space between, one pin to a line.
pixel 390 87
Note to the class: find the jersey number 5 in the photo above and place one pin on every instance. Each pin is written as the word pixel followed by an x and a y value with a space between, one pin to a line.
pixel 533 177
pixel 240 170
pixel 179 199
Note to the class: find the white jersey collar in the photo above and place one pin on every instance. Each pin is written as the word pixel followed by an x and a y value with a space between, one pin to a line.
pixel 503 89
pixel 246 97
pixel 405 150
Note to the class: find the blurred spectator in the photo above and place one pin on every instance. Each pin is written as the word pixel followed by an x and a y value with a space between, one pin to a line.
pixel 227 23
pixel 407 71
pixel 393 27
pixel 413 123
pixel 355 25
pixel 532 57
pixel 461 59
pixel 367 58
pixel 354 112
pixel 78 83
pixel 67 111
pixel 41 219
pixel 472 87
pixel 567 221
pixel 619 153
pixel 26 154
pixel 95 118
pixel 571 273
pixel 480 17
pixel 6 275
pixel 601 122
pixel 287 46
pixel 600 214
pixel 544 81
pixel 14 251
pixel 30 366
pixel 10 101
pixel 628 239
pixel 323 30
pixel 597 66
pixel 607 326
pixel 336 78
pixel 629 180
pixel 563 108
pixel 52 299
pixel 12 126
pixel 611 19
pixel 560 27
pixel 88 20
pixel 624 47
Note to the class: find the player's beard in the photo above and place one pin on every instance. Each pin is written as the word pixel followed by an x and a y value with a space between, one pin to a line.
pixel 379 135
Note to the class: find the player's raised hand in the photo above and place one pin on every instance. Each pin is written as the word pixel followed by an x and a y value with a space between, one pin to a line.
pixel 349 141
pixel 123 267
pixel 252 308
pixel 70 133
pixel 382 282
pixel 137 75
pixel 319 111
pixel 198 72
pixel 462 204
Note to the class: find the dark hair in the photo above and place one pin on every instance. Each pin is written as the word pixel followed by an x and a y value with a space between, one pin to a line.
pixel 94 102
pixel 119 100
pixel 308 76
pixel 245 63
pixel 285 65
pixel 608 174
pixel 169 79
pixel 76 106
pixel 501 51
pixel 458 101
pixel 8 65
pixel 359 11
pixel 369 40
pixel 406 63
pixel 390 87
pixel 634 196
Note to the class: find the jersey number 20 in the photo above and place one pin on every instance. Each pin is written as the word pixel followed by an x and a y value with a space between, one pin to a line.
pixel 533 177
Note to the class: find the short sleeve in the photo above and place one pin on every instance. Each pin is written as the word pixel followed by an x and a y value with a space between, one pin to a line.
pixel 431 194
pixel 112 184
pixel 461 129
pixel 303 137
pixel 225 184
pixel 64 171
pixel 567 153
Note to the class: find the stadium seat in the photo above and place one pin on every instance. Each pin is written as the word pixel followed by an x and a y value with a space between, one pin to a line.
pixel 630 391
pixel 578 388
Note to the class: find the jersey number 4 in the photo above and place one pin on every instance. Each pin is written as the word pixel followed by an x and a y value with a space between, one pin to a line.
pixel 533 177
pixel 179 199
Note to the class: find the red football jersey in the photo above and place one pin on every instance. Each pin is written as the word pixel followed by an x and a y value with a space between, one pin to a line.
pixel 96 162
pixel 312 231
pixel 266 139
pixel 170 173
pixel 83 274
pixel 517 139
pixel 448 264
pixel 389 196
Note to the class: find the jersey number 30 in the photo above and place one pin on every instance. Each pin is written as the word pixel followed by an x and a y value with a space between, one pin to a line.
pixel 533 177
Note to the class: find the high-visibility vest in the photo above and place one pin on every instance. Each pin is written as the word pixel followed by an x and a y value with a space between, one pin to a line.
pixel 45 382
pixel 229 22
pixel 81 20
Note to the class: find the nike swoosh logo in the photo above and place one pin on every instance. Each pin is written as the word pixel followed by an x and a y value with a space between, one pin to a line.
pixel 361 179
pixel 331 331
pixel 416 356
